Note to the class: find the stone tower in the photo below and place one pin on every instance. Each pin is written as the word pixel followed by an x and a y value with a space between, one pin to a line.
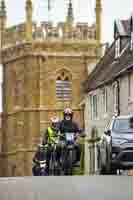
pixel 44 68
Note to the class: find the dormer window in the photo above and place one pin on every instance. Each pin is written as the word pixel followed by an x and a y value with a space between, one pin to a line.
pixel 117 48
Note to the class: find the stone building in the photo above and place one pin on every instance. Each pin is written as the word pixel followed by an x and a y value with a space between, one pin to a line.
pixel 109 88
pixel 43 70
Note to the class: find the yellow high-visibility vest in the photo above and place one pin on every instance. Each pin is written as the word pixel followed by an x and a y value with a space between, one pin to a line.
pixel 50 135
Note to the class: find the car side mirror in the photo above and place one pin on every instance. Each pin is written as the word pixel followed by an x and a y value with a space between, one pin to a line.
pixel 107 132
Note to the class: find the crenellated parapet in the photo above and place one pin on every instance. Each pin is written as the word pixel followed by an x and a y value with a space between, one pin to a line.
pixel 48 31
pixel 79 31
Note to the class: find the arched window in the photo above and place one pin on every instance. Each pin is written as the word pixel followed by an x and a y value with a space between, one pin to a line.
pixel 63 87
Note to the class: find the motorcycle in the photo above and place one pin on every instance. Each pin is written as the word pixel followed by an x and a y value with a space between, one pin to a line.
pixel 54 164
pixel 68 153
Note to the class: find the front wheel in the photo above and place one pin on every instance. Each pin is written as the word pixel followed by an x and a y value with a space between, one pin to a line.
pixel 68 162
pixel 43 172
pixel 70 157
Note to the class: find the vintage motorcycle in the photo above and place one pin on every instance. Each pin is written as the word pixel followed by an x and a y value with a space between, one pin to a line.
pixel 68 154
pixel 54 164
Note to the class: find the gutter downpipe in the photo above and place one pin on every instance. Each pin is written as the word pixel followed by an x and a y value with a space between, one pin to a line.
pixel 118 97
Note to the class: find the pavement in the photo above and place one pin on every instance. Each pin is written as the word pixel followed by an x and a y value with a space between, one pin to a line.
pixel 67 188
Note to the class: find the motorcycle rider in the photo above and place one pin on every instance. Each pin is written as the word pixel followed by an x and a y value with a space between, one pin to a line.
pixel 48 138
pixel 67 125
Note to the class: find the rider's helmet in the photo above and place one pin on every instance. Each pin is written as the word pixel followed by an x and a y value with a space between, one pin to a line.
pixel 55 122
pixel 68 113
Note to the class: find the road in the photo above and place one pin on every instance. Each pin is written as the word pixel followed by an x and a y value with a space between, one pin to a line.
pixel 67 188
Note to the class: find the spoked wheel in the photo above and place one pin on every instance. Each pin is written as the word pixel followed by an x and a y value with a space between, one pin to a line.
pixel 43 172
pixel 54 168
pixel 70 157
pixel 51 164
pixel 68 163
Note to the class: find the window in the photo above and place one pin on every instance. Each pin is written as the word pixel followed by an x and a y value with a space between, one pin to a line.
pixel 63 87
pixel 132 40
pixel 117 48
pixel 131 31
pixel 93 106
pixel 130 87
pixel 122 125
pixel 115 98
pixel 105 100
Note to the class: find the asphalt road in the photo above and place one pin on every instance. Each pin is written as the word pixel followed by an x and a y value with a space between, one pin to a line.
pixel 67 188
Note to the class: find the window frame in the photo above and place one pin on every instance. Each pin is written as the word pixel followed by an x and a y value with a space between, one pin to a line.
pixel 131 41
pixel 117 48
pixel 115 98
pixel 130 87
pixel 63 93
pixel 93 106
pixel 105 99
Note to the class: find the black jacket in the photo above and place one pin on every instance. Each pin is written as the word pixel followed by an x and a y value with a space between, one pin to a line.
pixel 68 126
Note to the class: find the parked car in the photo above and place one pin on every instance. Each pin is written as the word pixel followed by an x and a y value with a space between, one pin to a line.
pixel 115 149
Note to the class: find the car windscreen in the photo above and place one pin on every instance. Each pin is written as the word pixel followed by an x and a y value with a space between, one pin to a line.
pixel 122 125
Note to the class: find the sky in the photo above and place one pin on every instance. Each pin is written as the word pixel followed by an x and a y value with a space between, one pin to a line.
pixel 84 11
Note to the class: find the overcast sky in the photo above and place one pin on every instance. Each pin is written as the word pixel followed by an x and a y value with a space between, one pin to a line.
pixel 83 11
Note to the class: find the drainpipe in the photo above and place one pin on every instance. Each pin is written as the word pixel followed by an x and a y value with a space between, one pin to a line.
pixel 118 97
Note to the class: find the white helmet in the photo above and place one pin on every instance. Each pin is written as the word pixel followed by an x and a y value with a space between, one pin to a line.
pixel 68 111
pixel 54 120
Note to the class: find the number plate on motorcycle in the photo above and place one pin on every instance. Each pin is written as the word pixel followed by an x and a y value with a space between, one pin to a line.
pixel 69 136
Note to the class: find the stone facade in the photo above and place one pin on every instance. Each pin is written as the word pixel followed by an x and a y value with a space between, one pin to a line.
pixel 110 85
pixel 103 118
